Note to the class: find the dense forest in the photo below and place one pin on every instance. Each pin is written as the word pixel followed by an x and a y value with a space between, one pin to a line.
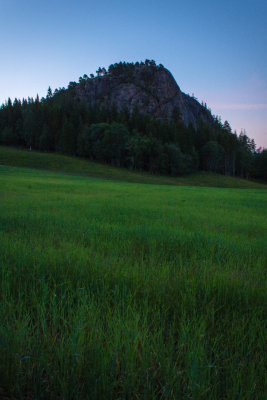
pixel 63 123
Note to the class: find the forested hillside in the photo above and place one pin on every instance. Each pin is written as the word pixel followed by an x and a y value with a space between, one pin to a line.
pixel 104 128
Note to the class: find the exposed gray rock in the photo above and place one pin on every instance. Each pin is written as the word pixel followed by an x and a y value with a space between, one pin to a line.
pixel 153 90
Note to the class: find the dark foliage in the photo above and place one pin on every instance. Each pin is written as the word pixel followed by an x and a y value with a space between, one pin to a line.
pixel 62 123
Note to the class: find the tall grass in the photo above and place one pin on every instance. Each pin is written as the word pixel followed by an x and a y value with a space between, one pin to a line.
pixel 112 290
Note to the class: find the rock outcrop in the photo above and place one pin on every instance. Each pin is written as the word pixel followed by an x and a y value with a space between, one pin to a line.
pixel 153 90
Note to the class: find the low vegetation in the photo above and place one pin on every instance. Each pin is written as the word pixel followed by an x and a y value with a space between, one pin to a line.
pixel 116 290
pixel 74 165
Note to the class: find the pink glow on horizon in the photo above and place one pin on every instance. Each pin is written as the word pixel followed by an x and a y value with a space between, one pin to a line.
pixel 261 106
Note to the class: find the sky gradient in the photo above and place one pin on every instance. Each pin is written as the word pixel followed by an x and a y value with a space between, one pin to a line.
pixel 215 50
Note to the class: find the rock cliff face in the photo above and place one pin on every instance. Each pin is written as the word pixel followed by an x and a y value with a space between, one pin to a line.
pixel 153 91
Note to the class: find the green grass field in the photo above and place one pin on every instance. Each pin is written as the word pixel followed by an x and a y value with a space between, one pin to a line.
pixel 116 290
pixel 78 166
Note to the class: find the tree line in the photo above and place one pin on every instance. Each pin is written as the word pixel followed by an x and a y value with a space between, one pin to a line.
pixel 62 123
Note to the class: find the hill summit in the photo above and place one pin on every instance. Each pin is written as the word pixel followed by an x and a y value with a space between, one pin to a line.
pixel 132 115
pixel 149 87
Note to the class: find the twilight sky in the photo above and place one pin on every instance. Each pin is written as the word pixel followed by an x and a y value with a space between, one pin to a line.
pixel 214 49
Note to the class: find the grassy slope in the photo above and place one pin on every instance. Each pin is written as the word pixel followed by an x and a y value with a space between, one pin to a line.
pixel 111 290
pixel 71 165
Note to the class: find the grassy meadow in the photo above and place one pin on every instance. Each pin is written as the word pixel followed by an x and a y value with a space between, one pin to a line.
pixel 77 166
pixel 116 290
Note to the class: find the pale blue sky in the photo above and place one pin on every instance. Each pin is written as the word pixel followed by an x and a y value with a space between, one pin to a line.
pixel 214 49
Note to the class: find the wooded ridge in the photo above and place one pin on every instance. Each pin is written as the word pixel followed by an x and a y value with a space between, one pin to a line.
pixel 132 115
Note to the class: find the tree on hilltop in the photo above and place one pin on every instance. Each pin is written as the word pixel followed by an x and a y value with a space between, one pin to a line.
pixel 49 93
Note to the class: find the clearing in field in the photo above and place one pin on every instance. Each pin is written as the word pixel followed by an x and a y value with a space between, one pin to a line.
pixel 115 290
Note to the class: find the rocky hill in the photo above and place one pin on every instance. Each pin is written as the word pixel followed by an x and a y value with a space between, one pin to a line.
pixel 150 88
pixel 116 118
